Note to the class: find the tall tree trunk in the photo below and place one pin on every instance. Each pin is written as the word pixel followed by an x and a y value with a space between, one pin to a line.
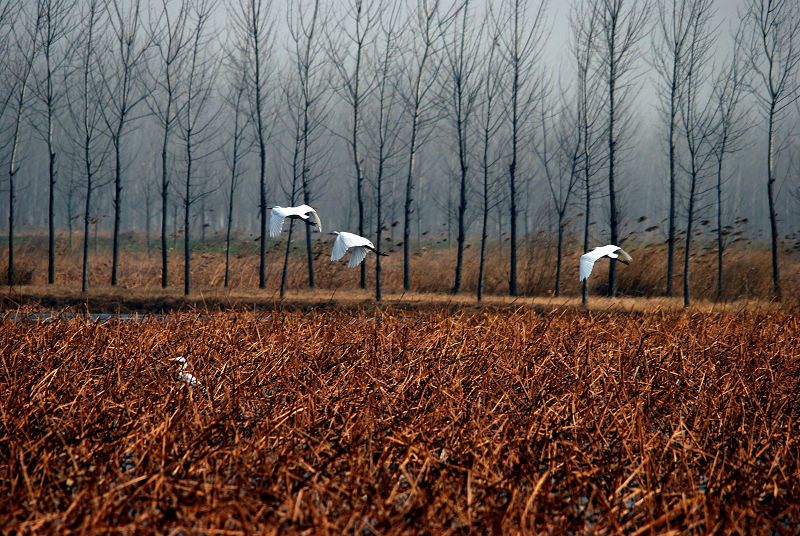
pixel 689 227
pixel 262 161
pixel 286 257
pixel 512 281
pixel 412 150
pixel 773 219
pixel 672 194
pixel 379 237
pixel 12 166
pixel 307 198
pixel 585 284
pixel 407 206
pixel 87 208
pixel 12 172
pixel 359 188
pixel 187 250
pixel 612 143
pixel 164 202
pixel 117 210
pixel 228 237
pixel 10 271
pixel 292 197
pixel 51 256
pixel 485 212
pixel 262 211
pixel 356 95
pixel 720 244
pixel 560 249
pixel 462 208
pixel 229 219
pixel 512 168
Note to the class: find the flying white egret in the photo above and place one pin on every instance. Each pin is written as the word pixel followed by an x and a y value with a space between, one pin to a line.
pixel 360 245
pixel 186 376
pixel 588 259
pixel 304 212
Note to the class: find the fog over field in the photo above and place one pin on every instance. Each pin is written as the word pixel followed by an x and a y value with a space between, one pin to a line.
pixel 178 65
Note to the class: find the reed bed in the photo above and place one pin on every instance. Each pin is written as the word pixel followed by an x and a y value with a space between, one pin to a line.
pixel 402 422
pixel 746 274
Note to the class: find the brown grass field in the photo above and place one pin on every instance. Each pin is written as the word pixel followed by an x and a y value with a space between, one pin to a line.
pixel 747 275
pixel 328 413
pixel 403 421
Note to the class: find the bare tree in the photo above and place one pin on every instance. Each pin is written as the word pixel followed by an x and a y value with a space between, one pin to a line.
pixel 312 84
pixel 775 58
pixel 461 46
pixel 253 21
pixel 384 128
pixel 196 121
pixel 560 151
pixel 240 143
pixel 489 124
pixel 697 120
pixel 25 45
pixel 585 28
pixel 124 93
pixel 295 109
pixel 622 24
pixel 729 132
pixel 55 24
pixel 521 48
pixel 9 10
pixel 85 107
pixel 170 38
pixel 675 19
pixel 426 30
pixel 350 66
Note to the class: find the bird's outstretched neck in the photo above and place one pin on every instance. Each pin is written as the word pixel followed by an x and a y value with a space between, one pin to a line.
pixel 381 253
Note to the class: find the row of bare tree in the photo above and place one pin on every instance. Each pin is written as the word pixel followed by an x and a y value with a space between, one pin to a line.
pixel 264 92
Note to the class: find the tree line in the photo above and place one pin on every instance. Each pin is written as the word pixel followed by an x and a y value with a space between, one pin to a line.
pixel 246 103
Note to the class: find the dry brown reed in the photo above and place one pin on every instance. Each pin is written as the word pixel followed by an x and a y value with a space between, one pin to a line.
pixel 402 422
pixel 747 269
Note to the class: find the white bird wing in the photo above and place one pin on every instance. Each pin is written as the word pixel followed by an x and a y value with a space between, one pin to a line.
pixel 587 263
pixel 357 256
pixel 315 217
pixel 589 258
pixel 339 247
pixel 278 214
pixel 345 241
pixel 301 210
